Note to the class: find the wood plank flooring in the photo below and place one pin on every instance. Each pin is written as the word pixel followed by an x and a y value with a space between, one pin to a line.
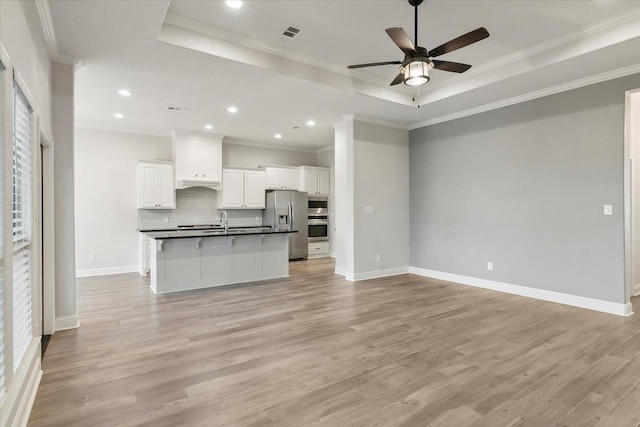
pixel 316 350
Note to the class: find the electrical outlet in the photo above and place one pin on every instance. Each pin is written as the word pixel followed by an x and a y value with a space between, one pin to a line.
pixel 608 209
pixel 92 257
pixel 378 257
pixel 490 266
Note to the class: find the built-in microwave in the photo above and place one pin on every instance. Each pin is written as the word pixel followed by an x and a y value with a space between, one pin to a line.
pixel 318 218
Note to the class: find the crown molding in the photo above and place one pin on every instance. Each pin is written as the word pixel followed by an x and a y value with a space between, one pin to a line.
pixel 179 31
pixel 46 21
pixel 256 44
pixel 374 121
pixel 584 41
pixel 593 29
pixel 575 84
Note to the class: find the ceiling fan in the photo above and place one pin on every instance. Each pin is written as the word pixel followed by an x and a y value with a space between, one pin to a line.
pixel 414 69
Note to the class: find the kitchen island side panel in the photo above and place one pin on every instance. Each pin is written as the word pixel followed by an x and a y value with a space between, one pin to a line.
pixel 202 262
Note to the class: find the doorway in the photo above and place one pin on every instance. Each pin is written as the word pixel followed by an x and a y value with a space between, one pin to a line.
pixel 632 193
pixel 45 249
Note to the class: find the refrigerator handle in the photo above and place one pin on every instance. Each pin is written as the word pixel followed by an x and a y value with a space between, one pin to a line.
pixel 291 213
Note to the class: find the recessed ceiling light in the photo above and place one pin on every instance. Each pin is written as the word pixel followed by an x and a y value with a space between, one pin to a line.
pixel 277 136
pixel 232 109
pixel 311 123
pixel 208 127
pixel 118 116
pixel 234 4
pixel 124 92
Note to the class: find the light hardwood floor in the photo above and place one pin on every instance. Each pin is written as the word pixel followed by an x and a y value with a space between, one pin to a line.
pixel 316 350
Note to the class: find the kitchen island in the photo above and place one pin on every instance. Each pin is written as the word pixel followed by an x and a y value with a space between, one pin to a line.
pixel 186 260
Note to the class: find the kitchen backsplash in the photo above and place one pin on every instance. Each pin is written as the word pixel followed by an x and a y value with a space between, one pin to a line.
pixel 196 205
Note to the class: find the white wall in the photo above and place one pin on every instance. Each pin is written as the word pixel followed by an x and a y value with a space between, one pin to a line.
pixel 106 191
pixel 327 158
pixel 238 154
pixel 22 37
pixel 62 95
pixel 23 40
pixel 635 226
pixel 343 239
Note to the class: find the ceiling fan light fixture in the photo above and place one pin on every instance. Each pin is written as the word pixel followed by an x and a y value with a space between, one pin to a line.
pixel 416 73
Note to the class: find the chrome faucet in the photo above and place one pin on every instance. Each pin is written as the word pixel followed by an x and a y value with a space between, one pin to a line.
pixel 224 217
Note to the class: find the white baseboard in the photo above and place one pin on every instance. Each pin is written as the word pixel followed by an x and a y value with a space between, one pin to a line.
pixel 67 322
pixel 381 273
pixel 355 277
pixel 16 406
pixel 619 309
pixel 107 271
pixel 636 290
pixel 343 272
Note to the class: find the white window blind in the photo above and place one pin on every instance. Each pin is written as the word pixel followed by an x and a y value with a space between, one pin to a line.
pixel 22 274
pixel 2 368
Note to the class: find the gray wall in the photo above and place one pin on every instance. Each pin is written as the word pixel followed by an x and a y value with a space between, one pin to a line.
pixel 62 96
pixel 381 181
pixel 524 187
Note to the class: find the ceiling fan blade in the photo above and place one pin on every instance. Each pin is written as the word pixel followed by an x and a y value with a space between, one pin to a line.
pixel 374 64
pixel 401 39
pixel 462 41
pixel 399 79
pixel 454 67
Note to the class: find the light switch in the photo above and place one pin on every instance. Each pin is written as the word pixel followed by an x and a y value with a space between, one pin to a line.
pixel 608 209
pixel 368 209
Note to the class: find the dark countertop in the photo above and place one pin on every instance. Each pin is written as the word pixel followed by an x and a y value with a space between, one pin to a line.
pixel 161 235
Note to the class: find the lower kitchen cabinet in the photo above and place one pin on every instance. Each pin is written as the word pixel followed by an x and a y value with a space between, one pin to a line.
pixel 319 249
pixel 144 248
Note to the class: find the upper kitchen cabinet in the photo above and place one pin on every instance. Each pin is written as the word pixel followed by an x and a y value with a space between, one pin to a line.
pixel 198 158
pixel 282 178
pixel 156 188
pixel 242 189
pixel 314 180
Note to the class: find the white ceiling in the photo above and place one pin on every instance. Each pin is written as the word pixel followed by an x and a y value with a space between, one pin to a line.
pixel 211 56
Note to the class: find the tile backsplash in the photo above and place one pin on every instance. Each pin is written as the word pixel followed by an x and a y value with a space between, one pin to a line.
pixel 196 205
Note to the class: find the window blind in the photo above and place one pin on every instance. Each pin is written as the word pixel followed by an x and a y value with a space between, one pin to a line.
pixel 22 262
pixel 2 367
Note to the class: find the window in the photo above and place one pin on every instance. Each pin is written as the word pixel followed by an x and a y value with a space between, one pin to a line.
pixel 22 233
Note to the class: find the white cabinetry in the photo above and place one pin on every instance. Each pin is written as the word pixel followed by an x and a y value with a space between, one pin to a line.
pixel 318 250
pixel 314 180
pixel 242 189
pixel 144 250
pixel 198 158
pixel 281 178
pixel 155 185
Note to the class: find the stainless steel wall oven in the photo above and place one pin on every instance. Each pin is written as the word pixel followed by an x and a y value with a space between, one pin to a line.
pixel 318 218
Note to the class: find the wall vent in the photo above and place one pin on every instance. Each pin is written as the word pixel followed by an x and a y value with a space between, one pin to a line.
pixel 288 34
pixel 180 109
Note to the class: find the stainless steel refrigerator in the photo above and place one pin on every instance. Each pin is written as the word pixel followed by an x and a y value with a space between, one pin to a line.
pixel 287 210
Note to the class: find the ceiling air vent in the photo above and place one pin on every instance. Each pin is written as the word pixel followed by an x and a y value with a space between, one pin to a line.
pixel 180 109
pixel 288 34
